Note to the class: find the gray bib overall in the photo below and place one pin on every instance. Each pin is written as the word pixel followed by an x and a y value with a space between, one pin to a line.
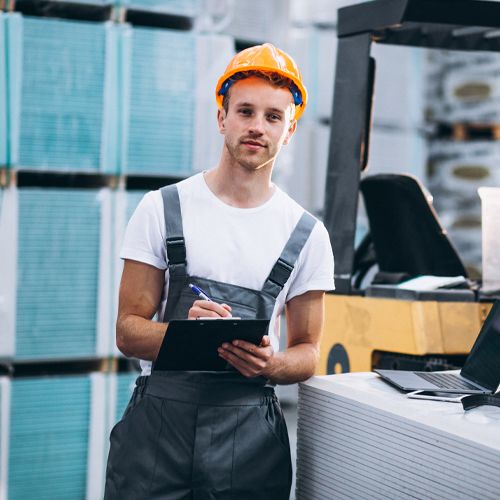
pixel 205 435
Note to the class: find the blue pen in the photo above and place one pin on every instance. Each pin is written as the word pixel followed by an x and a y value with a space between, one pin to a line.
pixel 198 291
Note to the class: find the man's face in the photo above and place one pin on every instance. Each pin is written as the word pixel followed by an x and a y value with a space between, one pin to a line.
pixel 258 122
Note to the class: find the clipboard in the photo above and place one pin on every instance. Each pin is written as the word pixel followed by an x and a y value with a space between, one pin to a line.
pixel 191 345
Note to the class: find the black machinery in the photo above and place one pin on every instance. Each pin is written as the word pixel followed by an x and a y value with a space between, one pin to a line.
pixel 382 326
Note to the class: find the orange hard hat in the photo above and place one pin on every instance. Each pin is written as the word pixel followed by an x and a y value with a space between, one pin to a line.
pixel 266 58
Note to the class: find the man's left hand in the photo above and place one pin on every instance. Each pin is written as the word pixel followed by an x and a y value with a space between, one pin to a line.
pixel 249 359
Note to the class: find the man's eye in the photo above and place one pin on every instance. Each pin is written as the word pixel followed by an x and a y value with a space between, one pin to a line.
pixel 274 118
pixel 245 111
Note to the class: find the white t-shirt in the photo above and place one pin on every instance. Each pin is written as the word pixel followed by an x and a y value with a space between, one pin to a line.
pixel 238 246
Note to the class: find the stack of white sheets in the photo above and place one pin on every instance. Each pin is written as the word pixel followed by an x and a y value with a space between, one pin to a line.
pixel 360 438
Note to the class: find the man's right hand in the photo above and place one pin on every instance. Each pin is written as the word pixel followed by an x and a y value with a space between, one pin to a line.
pixel 209 309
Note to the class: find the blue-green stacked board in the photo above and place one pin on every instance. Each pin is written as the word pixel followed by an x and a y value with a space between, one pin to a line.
pixel 91 2
pixel 178 7
pixel 57 276
pixel 4 426
pixel 62 83
pixel 3 94
pixel 122 211
pixel 66 109
pixel 125 383
pixel 162 102
pixel 133 199
pixel 48 438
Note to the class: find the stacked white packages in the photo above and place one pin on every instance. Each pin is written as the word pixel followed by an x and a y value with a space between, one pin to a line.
pixel 360 438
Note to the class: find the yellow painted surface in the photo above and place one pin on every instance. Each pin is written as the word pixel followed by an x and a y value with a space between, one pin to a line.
pixel 458 323
pixel 366 324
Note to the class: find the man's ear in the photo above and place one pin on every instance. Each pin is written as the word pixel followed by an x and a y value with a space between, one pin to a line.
pixel 221 117
pixel 291 131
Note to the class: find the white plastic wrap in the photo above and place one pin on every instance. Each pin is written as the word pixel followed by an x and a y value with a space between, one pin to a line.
pixel 8 270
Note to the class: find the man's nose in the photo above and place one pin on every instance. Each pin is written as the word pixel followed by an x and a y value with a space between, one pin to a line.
pixel 257 124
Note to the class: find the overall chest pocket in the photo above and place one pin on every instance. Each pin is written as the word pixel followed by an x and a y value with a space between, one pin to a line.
pixel 244 302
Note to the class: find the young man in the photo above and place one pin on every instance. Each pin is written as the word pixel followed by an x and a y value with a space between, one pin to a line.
pixel 255 252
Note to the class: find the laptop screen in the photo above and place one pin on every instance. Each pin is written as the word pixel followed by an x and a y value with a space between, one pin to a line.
pixel 483 363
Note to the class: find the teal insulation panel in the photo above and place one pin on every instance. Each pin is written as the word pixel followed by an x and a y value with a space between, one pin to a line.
pixel 3 92
pixel 62 94
pixel 125 383
pixel 179 7
pixel 48 438
pixel 133 199
pixel 91 2
pixel 58 271
pixel 161 105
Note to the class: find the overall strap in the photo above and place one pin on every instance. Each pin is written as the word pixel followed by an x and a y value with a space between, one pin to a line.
pixel 175 244
pixel 283 267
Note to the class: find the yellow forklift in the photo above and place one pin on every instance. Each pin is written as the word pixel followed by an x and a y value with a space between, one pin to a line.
pixel 381 324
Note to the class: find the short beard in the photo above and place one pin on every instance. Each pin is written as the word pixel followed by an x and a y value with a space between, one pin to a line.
pixel 249 166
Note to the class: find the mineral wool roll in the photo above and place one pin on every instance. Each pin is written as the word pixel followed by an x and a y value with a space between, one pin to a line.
pixel 463 87
pixel 450 149
pixel 463 177
pixel 458 61
pixel 449 204
pixel 434 103
pixel 471 87
pixel 459 168
pixel 480 112
pixel 477 112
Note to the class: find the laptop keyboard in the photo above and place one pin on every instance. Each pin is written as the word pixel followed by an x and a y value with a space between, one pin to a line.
pixel 446 380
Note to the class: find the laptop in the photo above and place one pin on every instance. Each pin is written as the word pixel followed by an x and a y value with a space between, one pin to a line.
pixel 479 375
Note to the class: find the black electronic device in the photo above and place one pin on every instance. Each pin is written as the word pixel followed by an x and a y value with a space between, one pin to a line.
pixel 480 373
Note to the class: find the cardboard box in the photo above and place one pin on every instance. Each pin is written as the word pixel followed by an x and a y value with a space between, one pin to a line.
pixel 357 326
